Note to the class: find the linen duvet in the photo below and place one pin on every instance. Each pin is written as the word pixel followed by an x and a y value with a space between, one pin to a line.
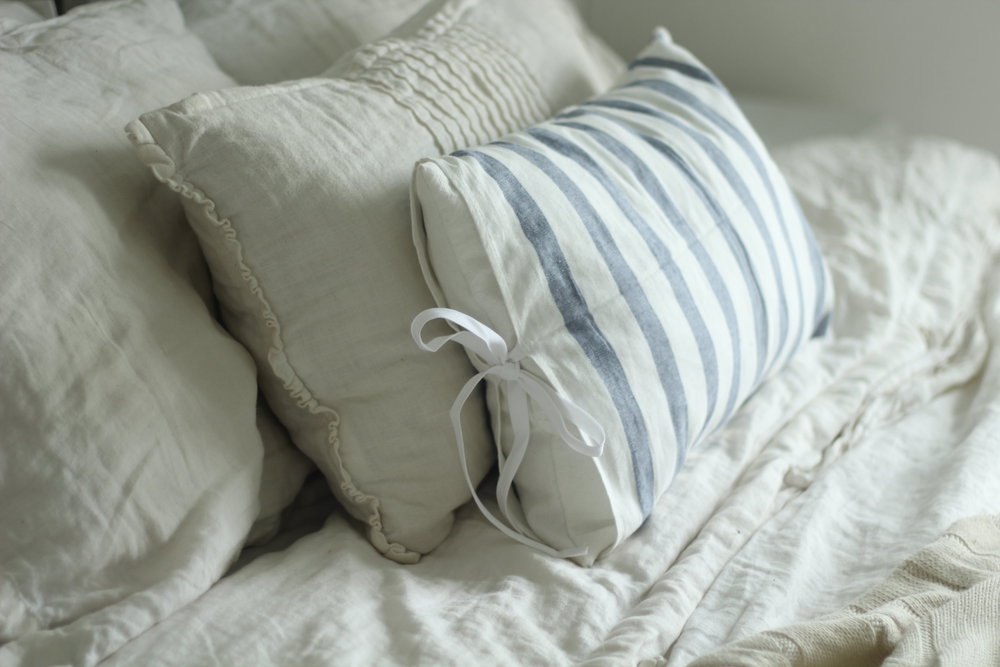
pixel 846 513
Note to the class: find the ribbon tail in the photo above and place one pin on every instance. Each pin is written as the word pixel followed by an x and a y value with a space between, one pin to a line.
pixel 482 342
pixel 456 423
pixel 561 413
pixel 517 405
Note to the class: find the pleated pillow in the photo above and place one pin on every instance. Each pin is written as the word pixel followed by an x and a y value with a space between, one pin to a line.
pixel 299 195
pixel 623 276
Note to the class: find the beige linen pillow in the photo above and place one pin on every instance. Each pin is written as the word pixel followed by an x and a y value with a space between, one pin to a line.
pixel 130 458
pixel 299 195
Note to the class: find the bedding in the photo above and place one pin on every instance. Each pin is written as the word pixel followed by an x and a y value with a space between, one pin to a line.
pixel 636 251
pixel 267 42
pixel 13 14
pixel 16 12
pixel 259 42
pixel 299 195
pixel 131 462
pixel 123 400
pixel 940 606
pixel 866 449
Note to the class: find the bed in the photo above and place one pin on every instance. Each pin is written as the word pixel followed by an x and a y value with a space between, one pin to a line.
pixel 222 443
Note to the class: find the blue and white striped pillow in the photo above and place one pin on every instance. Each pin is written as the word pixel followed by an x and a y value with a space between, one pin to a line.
pixel 652 267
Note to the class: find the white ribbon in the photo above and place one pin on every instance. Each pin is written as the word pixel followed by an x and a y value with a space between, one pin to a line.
pixel 564 416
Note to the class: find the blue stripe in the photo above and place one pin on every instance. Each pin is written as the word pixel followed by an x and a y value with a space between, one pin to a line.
pixel 579 321
pixel 725 226
pixel 822 327
pixel 726 168
pixel 659 250
pixel 735 243
pixel 681 95
pixel 683 68
pixel 631 290
pixel 651 184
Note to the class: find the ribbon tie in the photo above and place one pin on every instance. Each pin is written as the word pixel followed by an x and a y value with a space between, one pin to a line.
pixel 574 426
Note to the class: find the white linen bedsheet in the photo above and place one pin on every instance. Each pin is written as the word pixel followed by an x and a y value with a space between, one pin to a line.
pixel 865 449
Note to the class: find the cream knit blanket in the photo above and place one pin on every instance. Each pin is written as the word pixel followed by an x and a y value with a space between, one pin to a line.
pixel 940 607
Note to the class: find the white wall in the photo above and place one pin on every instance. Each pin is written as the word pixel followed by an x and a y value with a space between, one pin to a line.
pixel 933 65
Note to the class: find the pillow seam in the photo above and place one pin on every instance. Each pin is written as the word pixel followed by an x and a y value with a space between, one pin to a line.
pixel 467 278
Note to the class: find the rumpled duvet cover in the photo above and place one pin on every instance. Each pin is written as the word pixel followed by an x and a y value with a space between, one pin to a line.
pixel 865 449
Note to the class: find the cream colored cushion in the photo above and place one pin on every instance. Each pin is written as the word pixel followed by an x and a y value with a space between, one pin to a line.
pixel 130 459
pixel 299 195
pixel 266 41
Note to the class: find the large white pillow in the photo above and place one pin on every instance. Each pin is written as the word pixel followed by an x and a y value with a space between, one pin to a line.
pixel 130 461
pixel 266 41
pixel 640 267
pixel 299 193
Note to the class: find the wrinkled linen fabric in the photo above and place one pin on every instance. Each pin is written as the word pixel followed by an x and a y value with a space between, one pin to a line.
pixel 266 41
pixel 865 449
pixel 903 472
pixel 642 252
pixel 299 194
pixel 130 457
pixel 940 607
pixel 14 13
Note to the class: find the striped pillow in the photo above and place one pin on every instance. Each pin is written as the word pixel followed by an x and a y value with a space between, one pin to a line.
pixel 653 268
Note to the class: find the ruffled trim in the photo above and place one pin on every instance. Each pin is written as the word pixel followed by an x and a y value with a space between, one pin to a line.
pixel 368 507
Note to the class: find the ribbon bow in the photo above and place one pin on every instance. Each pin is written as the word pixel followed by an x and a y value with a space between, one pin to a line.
pixel 574 426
